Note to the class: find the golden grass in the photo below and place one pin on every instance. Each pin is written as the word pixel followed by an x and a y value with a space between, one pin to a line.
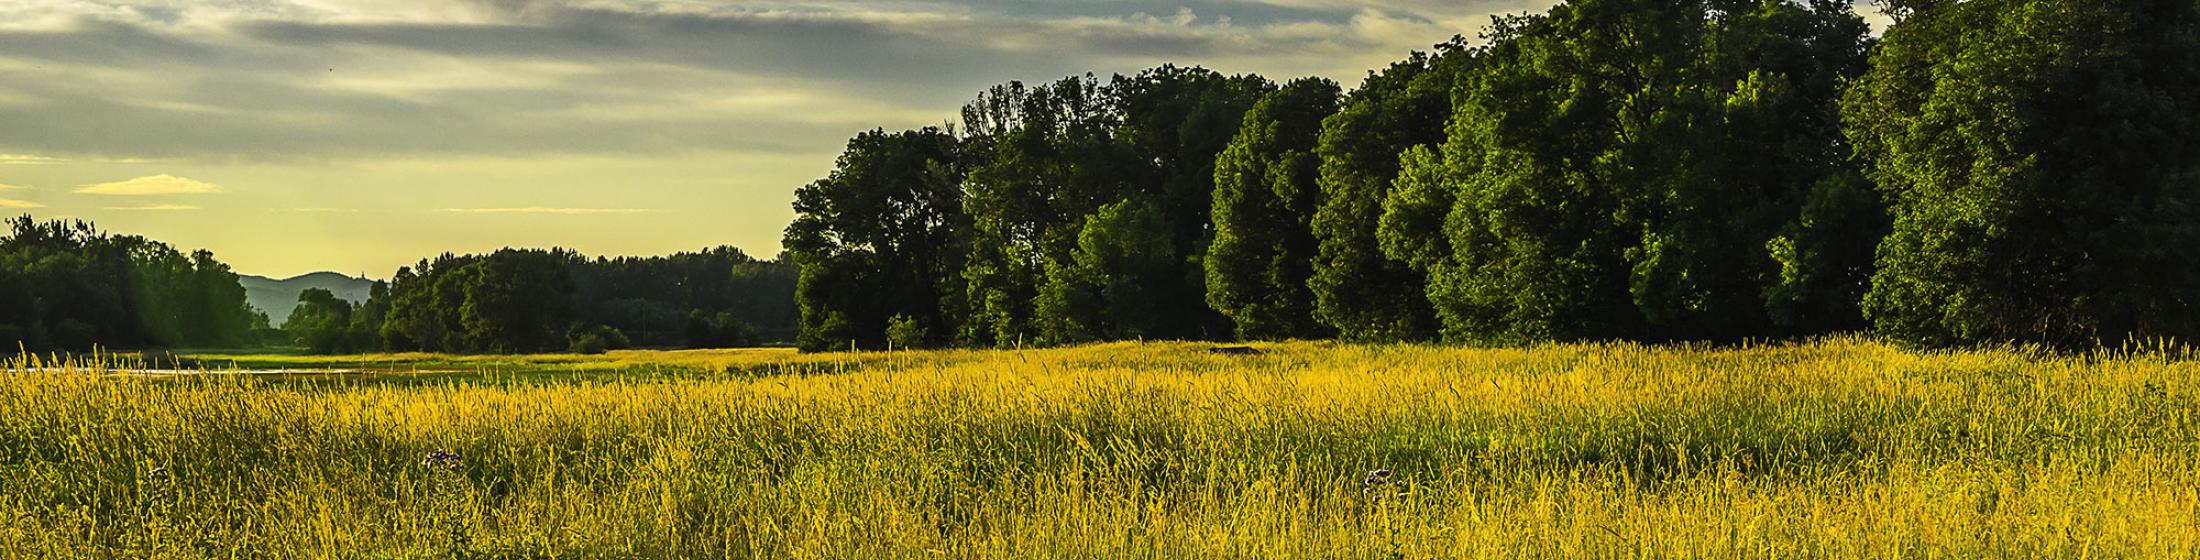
pixel 1841 448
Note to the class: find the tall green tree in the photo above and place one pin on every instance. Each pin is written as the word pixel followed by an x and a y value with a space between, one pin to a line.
pixel 1264 199
pixel 1357 290
pixel 1175 121
pixel 1044 158
pixel 321 323
pixel 213 318
pixel 2042 161
pixel 883 236
pixel 509 301
pixel 1630 168
pixel 1053 157
pixel 518 301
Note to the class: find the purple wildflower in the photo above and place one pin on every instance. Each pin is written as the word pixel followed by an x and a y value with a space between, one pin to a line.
pixel 444 460
pixel 1377 477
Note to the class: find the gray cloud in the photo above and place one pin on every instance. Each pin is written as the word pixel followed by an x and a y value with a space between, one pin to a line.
pixel 332 79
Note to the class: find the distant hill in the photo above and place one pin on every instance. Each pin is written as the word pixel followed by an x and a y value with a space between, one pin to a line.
pixel 278 297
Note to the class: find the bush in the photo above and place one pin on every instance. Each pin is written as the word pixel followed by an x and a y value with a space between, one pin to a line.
pixel 595 339
pixel 903 331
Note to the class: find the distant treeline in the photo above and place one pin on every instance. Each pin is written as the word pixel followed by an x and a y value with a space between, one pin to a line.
pixel 523 301
pixel 68 286
pixel 1986 171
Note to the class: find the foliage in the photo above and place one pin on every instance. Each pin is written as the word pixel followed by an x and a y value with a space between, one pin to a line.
pixel 70 286
pixel 2043 168
pixel 323 324
pixel 718 330
pixel 1050 159
pixel 1637 169
pixel 596 339
pixel 517 300
pixel 1359 291
pixel 654 300
pixel 882 236
pixel 904 333
pixel 1264 199
pixel 1043 157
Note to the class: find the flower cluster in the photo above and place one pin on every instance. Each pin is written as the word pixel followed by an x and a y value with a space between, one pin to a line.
pixel 1377 477
pixel 444 460
pixel 1380 486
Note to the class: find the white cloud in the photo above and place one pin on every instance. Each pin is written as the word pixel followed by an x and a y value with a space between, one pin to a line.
pixel 546 210
pixel 8 187
pixel 11 203
pixel 26 159
pixel 152 185
pixel 152 208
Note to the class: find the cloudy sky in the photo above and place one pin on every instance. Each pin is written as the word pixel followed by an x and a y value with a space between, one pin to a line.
pixel 292 136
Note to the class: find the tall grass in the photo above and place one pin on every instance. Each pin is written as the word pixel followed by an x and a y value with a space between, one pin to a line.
pixel 1840 448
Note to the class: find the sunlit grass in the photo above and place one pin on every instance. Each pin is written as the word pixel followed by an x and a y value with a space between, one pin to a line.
pixel 1841 448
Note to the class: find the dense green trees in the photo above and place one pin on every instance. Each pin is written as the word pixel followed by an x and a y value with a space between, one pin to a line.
pixel 1041 158
pixel 2042 161
pixel 1090 205
pixel 1630 169
pixel 1619 168
pixel 1264 199
pixel 507 301
pixel 69 286
pixel 516 300
pixel 880 238
pixel 323 324
pixel 1358 290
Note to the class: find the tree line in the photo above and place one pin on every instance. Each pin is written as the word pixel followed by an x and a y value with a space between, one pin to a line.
pixel 68 286
pixel 556 300
pixel 1984 171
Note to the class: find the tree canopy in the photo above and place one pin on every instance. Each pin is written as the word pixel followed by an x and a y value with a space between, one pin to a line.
pixel 1265 195
pixel 1639 169
pixel 2041 160
pixel 882 238
pixel 66 285
pixel 1995 170
pixel 555 300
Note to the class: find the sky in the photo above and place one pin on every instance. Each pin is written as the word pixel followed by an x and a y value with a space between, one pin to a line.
pixel 293 136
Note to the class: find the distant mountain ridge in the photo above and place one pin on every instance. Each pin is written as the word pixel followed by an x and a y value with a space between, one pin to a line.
pixel 277 298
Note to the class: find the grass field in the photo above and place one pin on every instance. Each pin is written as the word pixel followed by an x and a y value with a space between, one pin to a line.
pixel 1841 448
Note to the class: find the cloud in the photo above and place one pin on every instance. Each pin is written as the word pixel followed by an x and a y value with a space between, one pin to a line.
pixel 545 210
pixel 353 80
pixel 15 203
pixel 152 208
pixel 324 210
pixel 26 159
pixel 163 184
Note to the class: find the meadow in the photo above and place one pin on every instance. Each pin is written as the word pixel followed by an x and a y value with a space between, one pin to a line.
pixel 1834 448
